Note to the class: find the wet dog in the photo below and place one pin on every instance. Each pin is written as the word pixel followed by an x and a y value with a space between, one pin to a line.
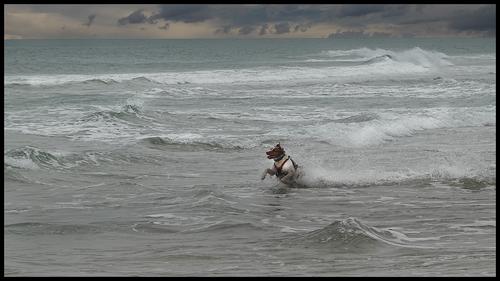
pixel 284 168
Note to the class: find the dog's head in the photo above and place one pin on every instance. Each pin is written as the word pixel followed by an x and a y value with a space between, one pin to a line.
pixel 276 152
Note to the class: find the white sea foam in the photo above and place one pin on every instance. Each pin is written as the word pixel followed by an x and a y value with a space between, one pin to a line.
pixel 391 125
pixel 415 56
pixel 184 137
pixel 24 163
pixel 258 75
pixel 324 176
pixel 412 61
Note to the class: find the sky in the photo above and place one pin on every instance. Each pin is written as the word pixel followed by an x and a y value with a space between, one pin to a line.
pixel 164 21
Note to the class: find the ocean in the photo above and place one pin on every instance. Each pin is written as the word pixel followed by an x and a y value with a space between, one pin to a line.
pixel 144 157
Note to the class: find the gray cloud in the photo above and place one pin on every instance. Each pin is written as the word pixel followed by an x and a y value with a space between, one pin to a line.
pixel 264 19
pixel 246 30
pixel 247 18
pixel 359 10
pixel 134 18
pixel 482 19
pixel 91 19
pixel 302 28
pixel 184 13
pixel 282 28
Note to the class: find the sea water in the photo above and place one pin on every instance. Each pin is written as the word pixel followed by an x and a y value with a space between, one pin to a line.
pixel 144 157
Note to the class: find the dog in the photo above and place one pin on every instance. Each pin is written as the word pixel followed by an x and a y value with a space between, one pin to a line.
pixel 284 168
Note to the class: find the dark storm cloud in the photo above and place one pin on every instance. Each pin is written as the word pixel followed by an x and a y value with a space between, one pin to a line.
pixel 482 19
pixel 291 13
pixel 91 19
pixel 359 10
pixel 246 30
pixel 134 18
pixel 245 18
pixel 184 13
pixel 236 15
pixel 302 28
pixel 293 18
pixel 361 15
pixel 282 28
pixel 40 21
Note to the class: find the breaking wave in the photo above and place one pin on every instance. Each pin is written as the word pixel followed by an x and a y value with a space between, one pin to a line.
pixel 30 157
pixel 369 64
pixel 189 142
pixel 33 158
pixel 76 79
pixel 416 56
pixel 129 109
pixel 373 129
pixel 454 175
pixel 350 235
pixel 113 124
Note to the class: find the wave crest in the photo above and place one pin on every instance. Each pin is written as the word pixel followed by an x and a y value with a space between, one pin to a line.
pixel 416 56
pixel 188 142
pixel 351 234
pixel 129 109
pixel 373 129
pixel 31 158
pixel 451 174
pixel 365 62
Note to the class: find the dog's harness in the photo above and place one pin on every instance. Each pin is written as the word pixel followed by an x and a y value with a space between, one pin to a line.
pixel 279 172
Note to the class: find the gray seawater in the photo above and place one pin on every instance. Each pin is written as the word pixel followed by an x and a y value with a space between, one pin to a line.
pixel 143 157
